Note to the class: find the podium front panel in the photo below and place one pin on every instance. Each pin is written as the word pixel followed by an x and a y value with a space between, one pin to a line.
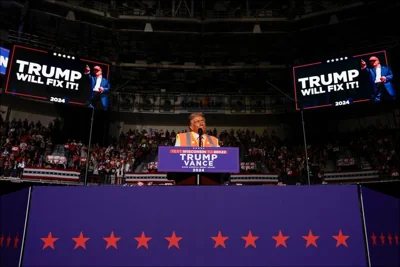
pixel 198 159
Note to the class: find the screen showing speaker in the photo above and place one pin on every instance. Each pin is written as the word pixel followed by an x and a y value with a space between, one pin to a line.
pixel 4 54
pixel 344 81
pixel 57 77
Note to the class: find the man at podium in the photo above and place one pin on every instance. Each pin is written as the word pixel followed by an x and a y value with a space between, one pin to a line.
pixel 197 136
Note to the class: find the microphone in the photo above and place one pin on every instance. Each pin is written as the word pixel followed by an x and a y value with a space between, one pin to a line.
pixel 200 132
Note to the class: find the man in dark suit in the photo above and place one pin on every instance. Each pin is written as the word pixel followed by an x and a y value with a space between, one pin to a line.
pixel 99 86
pixel 380 78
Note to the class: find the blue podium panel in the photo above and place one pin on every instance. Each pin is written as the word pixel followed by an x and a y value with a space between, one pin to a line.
pixel 198 159
pixel 382 219
pixel 195 226
pixel 13 208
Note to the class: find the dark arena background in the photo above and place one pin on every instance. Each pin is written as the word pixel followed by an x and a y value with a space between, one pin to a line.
pixel 306 91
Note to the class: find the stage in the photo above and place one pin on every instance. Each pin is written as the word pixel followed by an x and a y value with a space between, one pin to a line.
pixel 348 225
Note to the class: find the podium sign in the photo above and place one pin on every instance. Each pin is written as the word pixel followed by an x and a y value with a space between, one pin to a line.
pixel 198 159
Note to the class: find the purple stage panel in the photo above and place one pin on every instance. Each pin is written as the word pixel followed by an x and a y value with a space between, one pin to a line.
pixel 195 226
pixel 13 208
pixel 382 219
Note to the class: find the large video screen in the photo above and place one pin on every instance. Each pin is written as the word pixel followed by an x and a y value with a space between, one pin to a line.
pixel 4 53
pixel 344 81
pixel 57 77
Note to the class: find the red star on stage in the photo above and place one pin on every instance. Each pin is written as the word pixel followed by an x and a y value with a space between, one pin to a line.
pixel 49 241
pixel 1 240
pixel 143 241
pixel 219 240
pixel 250 240
pixel 280 239
pixel 173 240
pixel 112 240
pixel 390 239
pixel 373 237
pixel 341 239
pixel 16 241
pixel 311 239
pixel 382 238
pixel 80 241
pixel 396 237
pixel 8 241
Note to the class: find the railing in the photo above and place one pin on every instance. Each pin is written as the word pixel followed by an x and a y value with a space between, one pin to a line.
pixel 96 5
pixel 182 103
pixel 184 8
pixel 32 39
pixel 60 175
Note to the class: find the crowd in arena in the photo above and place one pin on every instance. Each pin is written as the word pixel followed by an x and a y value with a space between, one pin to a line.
pixel 30 144
pixel 22 144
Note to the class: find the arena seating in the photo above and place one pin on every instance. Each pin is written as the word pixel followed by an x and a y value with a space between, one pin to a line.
pixel 28 151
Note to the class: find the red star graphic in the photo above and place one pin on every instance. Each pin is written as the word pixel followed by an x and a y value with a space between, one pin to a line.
pixel 250 240
pixel 80 241
pixel 16 241
pixel 311 239
pixel 8 241
pixel 1 240
pixel 341 239
pixel 112 240
pixel 373 237
pixel 173 240
pixel 396 237
pixel 382 238
pixel 49 241
pixel 219 240
pixel 390 239
pixel 280 239
pixel 143 241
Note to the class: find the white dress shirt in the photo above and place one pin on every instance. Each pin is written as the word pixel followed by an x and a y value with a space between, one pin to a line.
pixel 378 74
pixel 98 82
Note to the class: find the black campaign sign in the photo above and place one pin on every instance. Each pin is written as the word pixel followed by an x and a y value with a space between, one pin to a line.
pixel 50 76
pixel 334 82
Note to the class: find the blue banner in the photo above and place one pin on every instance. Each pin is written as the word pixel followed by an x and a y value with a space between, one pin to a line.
pixel 198 159
pixel 382 219
pixel 12 217
pixel 4 55
pixel 195 226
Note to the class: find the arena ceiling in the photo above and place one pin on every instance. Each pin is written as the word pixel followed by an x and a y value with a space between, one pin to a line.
pixel 202 46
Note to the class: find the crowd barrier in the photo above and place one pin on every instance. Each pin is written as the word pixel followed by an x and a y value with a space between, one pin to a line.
pixel 51 174
pixel 160 178
pixel 353 176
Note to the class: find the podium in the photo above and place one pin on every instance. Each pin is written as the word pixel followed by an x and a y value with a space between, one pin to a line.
pixel 192 165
